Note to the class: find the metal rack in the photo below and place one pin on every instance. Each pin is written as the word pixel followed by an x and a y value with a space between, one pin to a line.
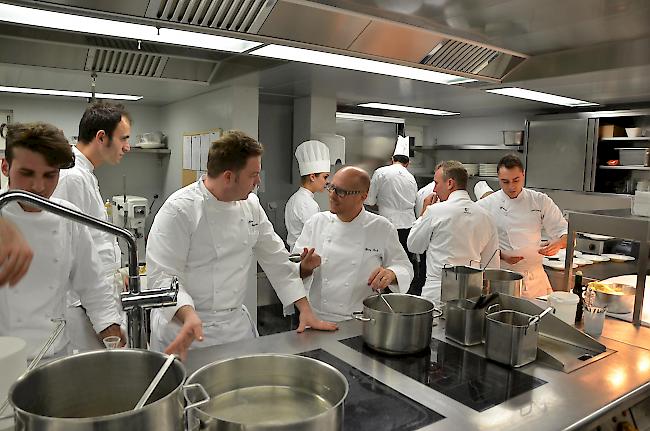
pixel 619 223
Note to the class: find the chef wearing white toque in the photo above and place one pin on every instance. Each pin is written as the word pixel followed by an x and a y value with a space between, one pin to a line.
pixel 482 189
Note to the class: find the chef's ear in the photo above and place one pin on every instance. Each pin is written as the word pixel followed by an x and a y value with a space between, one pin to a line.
pixel 228 176
pixel 101 134
pixel 5 168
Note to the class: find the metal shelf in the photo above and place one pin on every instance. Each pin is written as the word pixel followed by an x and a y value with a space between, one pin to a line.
pixel 481 177
pixel 472 147
pixel 627 168
pixel 626 138
pixel 150 150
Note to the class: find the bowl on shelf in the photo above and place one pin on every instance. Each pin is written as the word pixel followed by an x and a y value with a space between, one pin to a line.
pixel 633 132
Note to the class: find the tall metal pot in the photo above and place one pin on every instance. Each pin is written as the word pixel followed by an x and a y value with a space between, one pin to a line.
pixel 460 282
pixel 502 281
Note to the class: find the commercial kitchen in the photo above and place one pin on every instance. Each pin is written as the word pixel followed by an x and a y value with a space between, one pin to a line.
pixel 561 85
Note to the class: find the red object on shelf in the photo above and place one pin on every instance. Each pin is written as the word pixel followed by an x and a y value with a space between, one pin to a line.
pixel 613 162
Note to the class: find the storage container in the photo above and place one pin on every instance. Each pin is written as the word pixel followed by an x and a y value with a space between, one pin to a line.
pixel 631 156
pixel 464 324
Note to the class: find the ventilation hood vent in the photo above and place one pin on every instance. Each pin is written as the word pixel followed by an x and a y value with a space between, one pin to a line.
pixel 125 63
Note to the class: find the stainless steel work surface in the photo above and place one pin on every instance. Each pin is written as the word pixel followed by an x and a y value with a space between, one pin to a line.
pixel 566 401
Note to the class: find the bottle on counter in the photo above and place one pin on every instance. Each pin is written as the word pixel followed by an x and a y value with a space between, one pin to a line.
pixel 577 289
pixel 109 209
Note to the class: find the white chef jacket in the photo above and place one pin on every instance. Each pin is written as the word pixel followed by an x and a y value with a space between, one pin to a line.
pixel 210 246
pixel 421 196
pixel 453 232
pixel 64 259
pixel 393 189
pixel 349 253
pixel 519 223
pixel 79 186
pixel 300 207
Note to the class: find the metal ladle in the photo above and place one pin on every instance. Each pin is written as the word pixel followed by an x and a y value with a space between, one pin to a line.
pixel 381 295
pixel 154 382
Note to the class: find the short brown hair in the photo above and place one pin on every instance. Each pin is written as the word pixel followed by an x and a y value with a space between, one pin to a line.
pixel 510 161
pixel 104 116
pixel 42 138
pixel 456 171
pixel 231 152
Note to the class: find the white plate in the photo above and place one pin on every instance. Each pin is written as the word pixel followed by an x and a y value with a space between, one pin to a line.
pixel 579 261
pixel 597 237
pixel 556 265
pixel 619 257
pixel 595 257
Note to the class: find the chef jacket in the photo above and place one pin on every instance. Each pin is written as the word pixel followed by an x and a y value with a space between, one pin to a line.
pixel 453 232
pixel 210 246
pixel 79 185
pixel 421 196
pixel 393 189
pixel 64 259
pixel 300 207
pixel 349 252
pixel 519 223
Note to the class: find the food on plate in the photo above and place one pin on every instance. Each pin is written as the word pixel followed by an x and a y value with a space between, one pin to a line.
pixel 606 288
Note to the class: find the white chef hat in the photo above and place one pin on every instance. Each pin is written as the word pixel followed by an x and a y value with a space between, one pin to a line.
pixel 402 146
pixel 481 188
pixel 313 157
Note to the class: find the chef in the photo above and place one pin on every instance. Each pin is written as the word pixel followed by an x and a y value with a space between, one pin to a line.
pixel 15 253
pixel 360 251
pixel 421 271
pixel 453 231
pixel 520 214
pixel 314 164
pixel 64 253
pixel 482 190
pixel 104 132
pixel 207 234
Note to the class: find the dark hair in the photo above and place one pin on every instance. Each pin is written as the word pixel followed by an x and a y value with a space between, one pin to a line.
pixel 42 138
pixel 231 152
pixel 400 158
pixel 304 179
pixel 510 161
pixel 456 171
pixel 101 116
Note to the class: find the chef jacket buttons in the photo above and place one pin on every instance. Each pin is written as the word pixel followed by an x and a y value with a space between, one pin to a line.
pixel 347 284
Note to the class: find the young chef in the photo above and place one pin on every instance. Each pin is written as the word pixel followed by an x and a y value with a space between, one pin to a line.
pixel 520 214
pixel 314 164
pixel 360 251
pixel 64 253
pixel 15 253
pixel 208 234
pixel 104 132
pixel 421 271
pixel 452 231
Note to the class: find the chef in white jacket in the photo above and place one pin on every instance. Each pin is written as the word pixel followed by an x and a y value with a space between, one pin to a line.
pixel 520 214
pixel 208 234
pixel 314 165
pixel 64 254
pixel 421 273
pixel 482 190
pixel 359 251
pixel 453 231
pixel 104 132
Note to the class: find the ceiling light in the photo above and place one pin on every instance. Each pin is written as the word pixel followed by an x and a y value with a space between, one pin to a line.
pixel 84 94
pixel 538 96
pixel 363 117
pixel 106 27
pixel 355 63
pixel 401 108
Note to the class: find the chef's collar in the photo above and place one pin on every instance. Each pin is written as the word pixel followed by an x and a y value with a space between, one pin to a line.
pixel 519 197
pixel 309 192
pixel 357 220
pixel 81 160
pixel 210 198
pixel 457 195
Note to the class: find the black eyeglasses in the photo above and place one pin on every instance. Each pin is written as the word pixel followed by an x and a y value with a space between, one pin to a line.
pixel 339 191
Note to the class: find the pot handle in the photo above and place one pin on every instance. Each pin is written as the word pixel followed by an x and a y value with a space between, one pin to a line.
pixel 203 392
pixel 358 315
pixel 438 311
pixel 493 308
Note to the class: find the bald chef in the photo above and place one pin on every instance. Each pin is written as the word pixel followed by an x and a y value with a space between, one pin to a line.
pixel 520 214
pixel 314 165
pixel 208 234
pixel 360 251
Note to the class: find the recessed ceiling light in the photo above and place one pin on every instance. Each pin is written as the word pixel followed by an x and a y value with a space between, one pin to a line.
pixel 107 27
pixel 407 109
pixel 538 96
pixel 46 92
pixel 355 63
pixel 363 117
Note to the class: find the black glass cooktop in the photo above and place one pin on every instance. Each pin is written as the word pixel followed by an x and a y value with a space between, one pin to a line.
pixel 461 375
pixel 372 406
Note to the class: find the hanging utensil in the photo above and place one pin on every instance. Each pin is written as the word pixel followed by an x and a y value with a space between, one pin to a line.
pixel 485 300
pixel 154 382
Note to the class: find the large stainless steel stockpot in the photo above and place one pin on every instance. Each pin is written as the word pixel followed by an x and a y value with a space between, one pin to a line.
pixel 406 330
pixel 270 392
pixel 502 281
pixel 97 391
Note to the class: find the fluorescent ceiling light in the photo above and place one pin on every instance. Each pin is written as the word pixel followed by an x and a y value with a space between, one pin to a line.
pixel 538 96
pixel 362 117
pixel 407 109
pixel 106 27
pixel 355 63
pixel 84 94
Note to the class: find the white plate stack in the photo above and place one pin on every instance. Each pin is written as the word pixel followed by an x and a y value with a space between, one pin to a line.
pixel 487 169
pixel 472 168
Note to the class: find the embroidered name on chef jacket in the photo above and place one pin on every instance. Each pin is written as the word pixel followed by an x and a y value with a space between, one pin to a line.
pixel 375 250
pixel 466 211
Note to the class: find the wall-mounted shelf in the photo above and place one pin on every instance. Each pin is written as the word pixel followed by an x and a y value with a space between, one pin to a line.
pixel 150 150
pixel 627 168
pixel 472 147
pixel 480 177
pixel 625 138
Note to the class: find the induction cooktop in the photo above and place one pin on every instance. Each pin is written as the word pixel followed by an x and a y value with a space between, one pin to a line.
pixel 372 406
pixel 466 377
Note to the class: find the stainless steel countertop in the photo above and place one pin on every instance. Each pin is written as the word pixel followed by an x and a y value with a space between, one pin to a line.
pixel 566 402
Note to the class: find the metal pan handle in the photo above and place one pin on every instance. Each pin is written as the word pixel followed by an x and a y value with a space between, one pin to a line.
pixel 358 315
pixel 493 308
pixel 201 389
pixel 436 310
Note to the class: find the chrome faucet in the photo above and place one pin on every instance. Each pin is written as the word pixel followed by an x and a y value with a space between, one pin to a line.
pixel 134 302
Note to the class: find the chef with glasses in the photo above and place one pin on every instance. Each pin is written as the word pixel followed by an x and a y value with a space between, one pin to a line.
pixel 360 252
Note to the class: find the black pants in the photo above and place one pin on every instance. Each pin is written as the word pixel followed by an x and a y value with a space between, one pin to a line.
pixel 413 289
